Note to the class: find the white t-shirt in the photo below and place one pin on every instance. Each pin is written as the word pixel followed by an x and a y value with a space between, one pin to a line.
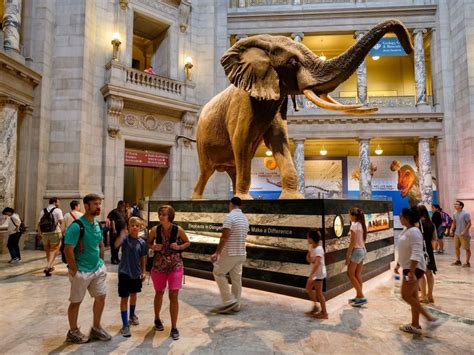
pixel 239 227
pixel 410 247
pixel 57 215
pixel 356 227
pixel 321 271
pixel 12 220
pixel 68 219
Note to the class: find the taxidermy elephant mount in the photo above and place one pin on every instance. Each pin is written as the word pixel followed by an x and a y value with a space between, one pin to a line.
pixel 264 70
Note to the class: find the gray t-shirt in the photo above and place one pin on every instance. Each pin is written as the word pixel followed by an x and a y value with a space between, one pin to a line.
pixel 461 218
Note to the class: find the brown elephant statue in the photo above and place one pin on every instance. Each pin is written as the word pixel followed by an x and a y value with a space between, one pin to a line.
pixel 264 70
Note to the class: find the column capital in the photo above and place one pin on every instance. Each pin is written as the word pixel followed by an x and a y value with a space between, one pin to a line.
pixel 424 139
pixel 359 34
pixel 419 30
pixel 298 140
pixel 5 100
pixel 114 110
pixel 362 139
pixel 240 36
pixel 123 4
pixel 297 36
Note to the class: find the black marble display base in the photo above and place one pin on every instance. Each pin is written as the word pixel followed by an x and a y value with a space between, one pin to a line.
pixel 277 246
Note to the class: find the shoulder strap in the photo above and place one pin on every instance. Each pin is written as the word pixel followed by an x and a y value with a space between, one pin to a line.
pixel 158 237
pixel 72 215
pixel 81 228
pixel 45 211
pixel 174 234
pixel 11 219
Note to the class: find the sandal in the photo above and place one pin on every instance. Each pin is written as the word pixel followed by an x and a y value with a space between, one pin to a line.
pixel 408 328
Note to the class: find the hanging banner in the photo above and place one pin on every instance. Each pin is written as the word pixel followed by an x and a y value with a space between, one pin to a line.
pixel 387 47
pixel 134 157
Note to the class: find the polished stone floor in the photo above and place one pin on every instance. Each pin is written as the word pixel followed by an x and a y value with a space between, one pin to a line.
pixel 33 318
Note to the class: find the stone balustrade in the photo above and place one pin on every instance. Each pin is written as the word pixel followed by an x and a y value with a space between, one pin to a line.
pixel 120 75
pixel 142 79
pixel 381 102
pixel 259 3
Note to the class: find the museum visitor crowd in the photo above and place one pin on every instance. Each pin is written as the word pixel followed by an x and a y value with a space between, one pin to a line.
pixel 81 239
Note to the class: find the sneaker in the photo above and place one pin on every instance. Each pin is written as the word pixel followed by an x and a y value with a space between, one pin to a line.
pixel 321 315
pixel 466 265
pixel 435 323
pixel 125 331
pixel 47 273
pixel 76 337
pixel 457 262
pixel 351 300
pixel 408 328
pixel 159 325
pixel 224 309
pixel 99 334
pixel 134 320
pixel 441 251
pixel 359 302
pixel 16 261
pixel 174 334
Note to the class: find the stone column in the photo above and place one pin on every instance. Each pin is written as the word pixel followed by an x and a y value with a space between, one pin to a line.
pixel 361 76
pixel 425 178
pixel 297 36
pixel 114 154
pixel 12 25
pixel 299 163
pixel 8 152
pixel 420 71
pixel 26 177
pixel 242 3
pixel 365 179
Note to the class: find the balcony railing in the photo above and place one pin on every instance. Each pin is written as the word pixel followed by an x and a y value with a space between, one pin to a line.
pixel 119 75
pixel 257 3
pixel 152 81
pixel 382 102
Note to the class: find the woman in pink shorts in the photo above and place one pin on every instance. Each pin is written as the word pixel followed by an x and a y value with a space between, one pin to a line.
pixel 167 240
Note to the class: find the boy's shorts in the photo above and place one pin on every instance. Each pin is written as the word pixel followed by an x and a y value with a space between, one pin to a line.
pixel 127 285
pixel 174 279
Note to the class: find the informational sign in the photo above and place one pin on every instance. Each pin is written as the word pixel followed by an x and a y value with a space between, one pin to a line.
pixel 387 47
pixel 145 158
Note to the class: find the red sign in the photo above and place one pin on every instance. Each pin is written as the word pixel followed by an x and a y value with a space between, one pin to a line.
pixel 146 158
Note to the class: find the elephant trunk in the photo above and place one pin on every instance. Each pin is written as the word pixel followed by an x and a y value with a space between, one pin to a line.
pixel 335 71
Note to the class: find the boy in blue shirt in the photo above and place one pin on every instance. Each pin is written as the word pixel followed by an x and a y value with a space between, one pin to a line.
pixel 131 272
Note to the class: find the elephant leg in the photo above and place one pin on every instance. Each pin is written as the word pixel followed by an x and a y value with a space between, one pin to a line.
pixel 277 138
pixel 204 176
pixel 243 159
pixel 233 176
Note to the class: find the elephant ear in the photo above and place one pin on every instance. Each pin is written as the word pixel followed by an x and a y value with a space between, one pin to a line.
pixel 249 68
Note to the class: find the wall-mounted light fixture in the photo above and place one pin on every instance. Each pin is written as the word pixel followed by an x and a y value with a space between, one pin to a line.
pixel 375 57
pixel 323 150
pixel 378 150
pixel 115 45
pixel 188 64
pixel 322 56
pixel 268 153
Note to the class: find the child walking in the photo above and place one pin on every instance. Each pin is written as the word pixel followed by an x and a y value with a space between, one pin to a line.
pixel 131 272
pixel 316 278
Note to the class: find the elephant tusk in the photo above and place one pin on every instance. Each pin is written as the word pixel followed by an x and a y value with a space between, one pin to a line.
pixel 315 99
pixel 362 111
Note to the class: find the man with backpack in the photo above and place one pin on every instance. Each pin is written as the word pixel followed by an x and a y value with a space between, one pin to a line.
pixel 84 249
pixel 50 228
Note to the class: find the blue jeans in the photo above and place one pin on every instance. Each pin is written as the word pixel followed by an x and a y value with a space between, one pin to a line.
pixel 12 245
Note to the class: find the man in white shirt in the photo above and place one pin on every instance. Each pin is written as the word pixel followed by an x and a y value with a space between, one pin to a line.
pixel 14 234
pixel 460 231
pixel 72 215
pixel 230 256
pixel 50 227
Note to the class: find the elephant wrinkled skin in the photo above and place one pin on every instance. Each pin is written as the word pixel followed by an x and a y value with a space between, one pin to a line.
pixel 263 71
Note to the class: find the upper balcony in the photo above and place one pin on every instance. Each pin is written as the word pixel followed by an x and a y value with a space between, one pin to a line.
pixel 298 3
pixel 136 85
pixel 385 104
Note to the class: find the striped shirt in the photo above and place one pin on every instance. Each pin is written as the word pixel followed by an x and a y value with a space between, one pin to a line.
pixel 239 227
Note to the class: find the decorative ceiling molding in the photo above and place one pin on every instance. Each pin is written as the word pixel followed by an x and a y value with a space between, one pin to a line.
pixel 158 5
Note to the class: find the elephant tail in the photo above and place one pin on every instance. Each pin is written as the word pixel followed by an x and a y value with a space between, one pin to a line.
pixel 338 69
